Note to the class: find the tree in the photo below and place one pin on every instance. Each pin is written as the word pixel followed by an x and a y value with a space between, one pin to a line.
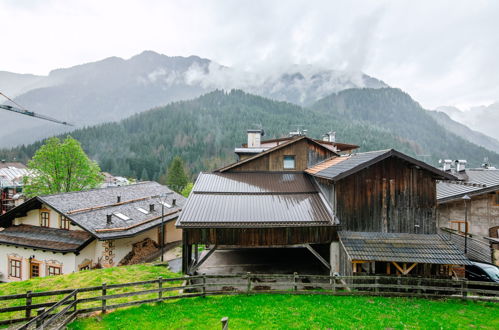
pixel 61 166
pixel 187 190
pixel 176 178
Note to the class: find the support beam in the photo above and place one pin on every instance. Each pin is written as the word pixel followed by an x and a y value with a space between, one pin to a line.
pixel 318 256
pixel 334 257
pixel 200 262
pixel 404 270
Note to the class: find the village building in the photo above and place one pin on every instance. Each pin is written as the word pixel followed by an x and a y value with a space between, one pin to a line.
pixel 11 182
pixel 64 233
pixel 470 205
pixel 302 193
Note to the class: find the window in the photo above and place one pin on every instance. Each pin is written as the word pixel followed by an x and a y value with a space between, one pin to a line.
pixel 142 210
pixel 44 219
pixel 122 216
pixel 54 270
pixel 35 270
pixel 289 162
pixel 87 267
pixel 15 268
pixel 65 222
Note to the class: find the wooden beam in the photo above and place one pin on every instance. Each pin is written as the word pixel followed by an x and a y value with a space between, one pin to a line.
pixel 398 267
pixel 411 267
pixel 318 256
pixel 388 268
pixel 404 270
pixel 203 259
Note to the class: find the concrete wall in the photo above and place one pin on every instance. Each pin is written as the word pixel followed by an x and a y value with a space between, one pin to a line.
pixel 483 214
pixel 172 234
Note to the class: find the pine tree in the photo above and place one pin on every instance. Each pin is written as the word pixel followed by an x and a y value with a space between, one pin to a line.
pixel 176 179
pixel 144 176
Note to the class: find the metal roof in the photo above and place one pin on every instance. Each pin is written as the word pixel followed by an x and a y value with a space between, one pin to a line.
pixel 255 200
pixel 337 168
pixel 51 239
pixel 475 182
pixel 89 209
pixel 401 247
pixel 11 176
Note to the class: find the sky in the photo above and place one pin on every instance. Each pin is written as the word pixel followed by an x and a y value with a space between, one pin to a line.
pixel 440 52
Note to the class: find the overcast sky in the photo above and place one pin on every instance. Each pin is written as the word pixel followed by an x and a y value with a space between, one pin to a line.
pixel 440 52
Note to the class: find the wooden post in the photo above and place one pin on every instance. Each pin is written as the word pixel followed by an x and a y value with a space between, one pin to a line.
pixel 333 283
pixel 39 322
pixel 295 278
pixel 204 285
pixel 160 287
pixel 28 303
pixel 248 289
pixel 419 286
pixel 104 291
pixel 225 323
pixel 75 298
pixel 376 287
pixel 464 289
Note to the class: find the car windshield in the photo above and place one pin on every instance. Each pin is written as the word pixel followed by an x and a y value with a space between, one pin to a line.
pixel 493 272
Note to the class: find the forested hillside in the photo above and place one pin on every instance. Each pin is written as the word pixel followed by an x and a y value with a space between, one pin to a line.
pixel 204 133
pixel 395 111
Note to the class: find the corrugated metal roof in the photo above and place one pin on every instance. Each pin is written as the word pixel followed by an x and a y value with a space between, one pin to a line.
pixel 477 181
pixel 255 200
pixel 402 247
pixel 12 176
pixel 353 163
pixel 237 182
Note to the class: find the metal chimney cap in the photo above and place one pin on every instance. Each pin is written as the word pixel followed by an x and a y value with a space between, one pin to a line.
pixel 466 197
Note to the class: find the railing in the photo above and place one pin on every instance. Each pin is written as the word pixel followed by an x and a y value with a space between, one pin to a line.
pixel 76 301
pixel 477 249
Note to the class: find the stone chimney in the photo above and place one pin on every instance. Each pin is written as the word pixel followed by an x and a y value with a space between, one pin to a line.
pixel 254 137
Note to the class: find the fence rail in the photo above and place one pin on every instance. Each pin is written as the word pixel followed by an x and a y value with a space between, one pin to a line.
pixel 57 314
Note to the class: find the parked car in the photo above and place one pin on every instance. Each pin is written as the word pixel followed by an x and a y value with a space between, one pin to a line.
pixel 484 273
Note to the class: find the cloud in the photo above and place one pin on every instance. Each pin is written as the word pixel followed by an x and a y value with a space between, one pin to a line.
pixel 441 52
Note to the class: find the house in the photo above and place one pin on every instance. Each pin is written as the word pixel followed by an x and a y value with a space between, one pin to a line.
pixel 68 232
pixel 481 185
pixel 302 193
pixel 11 182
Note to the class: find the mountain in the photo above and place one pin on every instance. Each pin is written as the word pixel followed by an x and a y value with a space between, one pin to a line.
pixel 114 88
pixel 396 112
pixel 463 131
pixel 205 131
pixel 481 118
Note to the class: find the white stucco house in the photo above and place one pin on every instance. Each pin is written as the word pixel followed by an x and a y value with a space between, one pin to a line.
pixel 64 233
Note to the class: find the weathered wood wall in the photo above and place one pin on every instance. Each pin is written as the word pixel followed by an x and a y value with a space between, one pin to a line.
pixel 390 196
pixel 306 154
pixel 261 236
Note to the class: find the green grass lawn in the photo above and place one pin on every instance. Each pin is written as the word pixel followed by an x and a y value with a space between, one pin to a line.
pixel 299 312
pixel 87 278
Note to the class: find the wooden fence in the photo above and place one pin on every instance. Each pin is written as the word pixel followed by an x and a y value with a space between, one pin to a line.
pixel 71 302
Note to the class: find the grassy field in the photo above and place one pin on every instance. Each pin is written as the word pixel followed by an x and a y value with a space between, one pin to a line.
pixel 300 312
pixel 81 279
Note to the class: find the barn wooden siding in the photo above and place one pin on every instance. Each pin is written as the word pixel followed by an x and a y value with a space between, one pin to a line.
pixel 390 196
pixel 306 154
pixel 261 236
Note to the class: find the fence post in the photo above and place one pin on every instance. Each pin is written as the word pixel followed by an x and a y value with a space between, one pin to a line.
pixel 28 304
pixel 39 322
pixel 376 284
pixel 419 286
pixel 75 301
pixel 295 278
pixel 225 323
pixel 160 287
pixel 248 289
pixel 464 289
pixel 104 291
pixel 333 283
pixel 204 285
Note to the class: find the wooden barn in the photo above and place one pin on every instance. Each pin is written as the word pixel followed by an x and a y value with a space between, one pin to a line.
pixel 301 192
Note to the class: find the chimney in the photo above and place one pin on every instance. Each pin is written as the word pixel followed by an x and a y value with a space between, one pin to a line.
pixel 461 165
pixel 151 207
pixel 109 219
pixel 446 165
pixel 254 137
pixel 174 202
pixel 119 199
pixel 329 137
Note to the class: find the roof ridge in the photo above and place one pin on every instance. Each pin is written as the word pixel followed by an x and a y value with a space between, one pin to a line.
pixel 96 189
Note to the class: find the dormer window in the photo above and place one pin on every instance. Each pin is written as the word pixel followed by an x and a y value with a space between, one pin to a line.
pixel 289 162
pixel 65 222
pixel 44 219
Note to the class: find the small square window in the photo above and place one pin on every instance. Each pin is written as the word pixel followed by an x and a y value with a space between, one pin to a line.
pixel 54 270
pixel 289 162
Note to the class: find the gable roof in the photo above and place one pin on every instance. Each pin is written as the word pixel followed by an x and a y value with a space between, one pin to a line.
pixel 256 200
pixel 401 247
pixel 330 145
pixel 268 151
pixel 89 209
pixel 337 168
pixel 476 181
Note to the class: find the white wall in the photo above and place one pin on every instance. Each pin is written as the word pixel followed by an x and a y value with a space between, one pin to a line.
pixel 33 218
pixel 67 261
